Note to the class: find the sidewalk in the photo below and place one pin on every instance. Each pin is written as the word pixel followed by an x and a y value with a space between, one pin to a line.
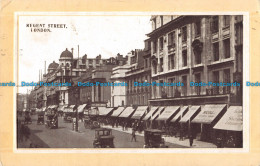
pixel 173 140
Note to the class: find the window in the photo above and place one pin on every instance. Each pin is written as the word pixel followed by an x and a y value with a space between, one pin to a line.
pixel 214 24
pixel 226 21
pixel 170 88
pixel 184 34
pixel 161 64
pixel 227 48
pixel 216 51
pixel 154 67
pixel 161 88
pixel 171 39
pixel 161 17
pixel 227 80
pixel 171 62
pixel 184 58
pixel 197 80
pixel 155 46
pixel 216 80
pixel 197 28
pixel 184 88
pixel 197 58
pixel 161 43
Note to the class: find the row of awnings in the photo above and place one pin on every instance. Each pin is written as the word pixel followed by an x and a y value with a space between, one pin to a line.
pixel 228 118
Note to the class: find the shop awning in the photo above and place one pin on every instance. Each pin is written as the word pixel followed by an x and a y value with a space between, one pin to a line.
pixel 43 108
pixel 69 108
pixel 118 111
pixel 53 106
pixel 168 112
pixel 208 113
pixel 140 111
pixel 160 109
pixel 103 111
pixel 189 115
pixel 180 114
pixel 231 120
pixel 150 113
pixel 127 112
pixel 62 107
pixel 81 108
pixel 93 111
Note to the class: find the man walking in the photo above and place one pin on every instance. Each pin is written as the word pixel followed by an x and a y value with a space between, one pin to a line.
pixel 191 140
pixel 133 135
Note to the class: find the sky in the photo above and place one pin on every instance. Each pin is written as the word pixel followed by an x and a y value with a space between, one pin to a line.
pixel 105 35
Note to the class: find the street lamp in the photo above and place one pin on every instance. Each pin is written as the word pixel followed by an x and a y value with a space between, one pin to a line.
pixel 76 94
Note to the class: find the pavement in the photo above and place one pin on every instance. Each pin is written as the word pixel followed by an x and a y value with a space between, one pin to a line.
pixel 173 140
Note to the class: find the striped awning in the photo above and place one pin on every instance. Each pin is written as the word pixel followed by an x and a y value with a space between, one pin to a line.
pixel 180 114
pixel 232 120
pixel 118 111
pixel 127 112
pixel 140 111
pixel 103 111
pixel 190 114
pixel 150 113
pixel 160 110
pixel 81 108
pixel 168 112
pixel 209 113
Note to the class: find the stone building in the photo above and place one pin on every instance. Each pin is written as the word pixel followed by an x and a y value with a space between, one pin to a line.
pixel 196 49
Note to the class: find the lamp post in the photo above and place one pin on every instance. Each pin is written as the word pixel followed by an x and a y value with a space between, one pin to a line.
pixel 76 94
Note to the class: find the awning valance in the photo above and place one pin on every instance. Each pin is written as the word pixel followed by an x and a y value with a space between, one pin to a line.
pixel 231 120
pixel 168 112
pixel 150 113
pixel 118 111
pixel 103 111
pixel 127 112
pixel 180 114
pixel 209 113
pixel 160 110
pixel 140 111
pixel 190 114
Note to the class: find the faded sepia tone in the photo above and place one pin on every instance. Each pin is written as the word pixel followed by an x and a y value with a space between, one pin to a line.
pixel 7 154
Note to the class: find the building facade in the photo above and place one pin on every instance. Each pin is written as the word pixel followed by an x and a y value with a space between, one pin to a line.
pixel 196 49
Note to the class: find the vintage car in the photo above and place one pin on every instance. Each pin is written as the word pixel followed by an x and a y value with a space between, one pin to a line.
pixel 52 119
pixel 103 138
pixel 153 139
pixel 91 123
pixel 40 119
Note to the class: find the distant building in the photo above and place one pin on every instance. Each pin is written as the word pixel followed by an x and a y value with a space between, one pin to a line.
pixel 139 71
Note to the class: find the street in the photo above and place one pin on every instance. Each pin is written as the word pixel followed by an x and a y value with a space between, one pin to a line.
pixel 64 137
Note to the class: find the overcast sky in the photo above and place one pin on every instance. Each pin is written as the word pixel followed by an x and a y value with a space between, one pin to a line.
pixel 105 35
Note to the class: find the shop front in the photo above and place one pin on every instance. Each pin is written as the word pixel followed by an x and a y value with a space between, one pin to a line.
pixel 229 129
pixel 206 119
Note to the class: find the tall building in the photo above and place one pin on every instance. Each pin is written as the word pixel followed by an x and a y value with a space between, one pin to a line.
pixel 196 49
pixel 139 72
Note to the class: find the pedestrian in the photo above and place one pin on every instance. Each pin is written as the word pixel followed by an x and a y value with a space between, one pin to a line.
pixel 191 140
pixel 133 135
